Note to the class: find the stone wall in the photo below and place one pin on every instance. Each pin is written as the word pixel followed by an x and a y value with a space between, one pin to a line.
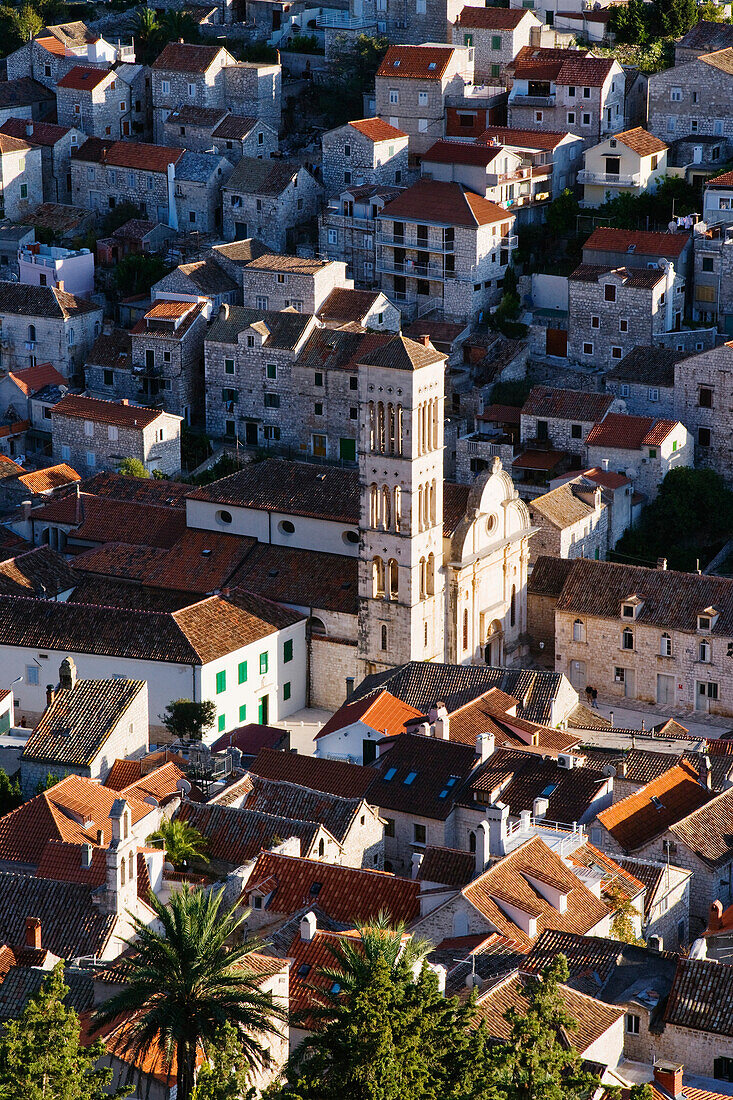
pixel 364 842
pixel 332 662
pixel 52 337
pixel 107 445
pixel 178 367
pixel 695 92
pixel 713 371
pixel 367 162
pixel 612 328
pixel 22 182
pixel 100 188
pixel 271 218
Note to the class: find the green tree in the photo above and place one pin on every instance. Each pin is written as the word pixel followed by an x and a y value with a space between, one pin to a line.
pixel 535 1063
pixel 223 1077
pixel 10 793
pixel 146 35
pixel 132 467
pixel 350 75
pixel 182 842
pixel 49 781
pixel 183 984
pixel 711 13
pixel 178 24
pixel 136 274
pixel 562 214
pixel 41 1057
pixel 622 925
pixel 188 720
pixel 19 25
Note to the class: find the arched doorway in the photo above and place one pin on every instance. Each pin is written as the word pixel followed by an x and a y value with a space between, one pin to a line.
pixel 494 650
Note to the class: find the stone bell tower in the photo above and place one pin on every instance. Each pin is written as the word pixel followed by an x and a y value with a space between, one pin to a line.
pixel 401 583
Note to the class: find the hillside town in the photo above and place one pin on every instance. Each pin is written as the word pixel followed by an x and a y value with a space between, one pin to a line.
pixel 366 550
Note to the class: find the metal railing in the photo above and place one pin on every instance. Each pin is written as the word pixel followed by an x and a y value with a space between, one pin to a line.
pixel 532 100
pixel 414 270
pixel 420 244
pixel 587 175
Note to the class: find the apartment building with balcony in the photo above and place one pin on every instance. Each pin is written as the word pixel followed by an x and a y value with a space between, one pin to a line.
pixel 347 229
pixel 365 151
pixel 496 35
pixel 713 297
pixel 412 84
pixel 442 247
pixel 560 152
pixel 567 90
pixel 167 351
pixel 718 200
pixel 630 163
pixel 492 171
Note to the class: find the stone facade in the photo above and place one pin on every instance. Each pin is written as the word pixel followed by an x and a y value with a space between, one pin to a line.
pixel 650 464
pixel 614 168
pixel 21 178
pixel 352 158
pixel 260 140
pixel 703 393
pixel 347 230
pixel 270 215
pixel 568 536
pixel 199 179
pixel 201 129
pixel 56 164
pixel 713 300
pixel 103 111
pixel 89 445
pixel 495 45
pixel 692 99
pixel 641 398
pixel 100 187
pixel 612 311
pixel 416 104
pixel 276 283
pixel 63 341
pixel 167 360
pixel 592 110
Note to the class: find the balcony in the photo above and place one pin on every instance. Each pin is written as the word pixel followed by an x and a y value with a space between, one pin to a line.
pixel 343 21
pixel 510 242
pixel 532 100
pixel 413 270
pixel 609 179
pixel 410 241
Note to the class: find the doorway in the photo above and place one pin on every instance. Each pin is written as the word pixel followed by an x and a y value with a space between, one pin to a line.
pixel 665 689
pixel 250 433
pixel 263 710
pixel 493 652
pixel 578 675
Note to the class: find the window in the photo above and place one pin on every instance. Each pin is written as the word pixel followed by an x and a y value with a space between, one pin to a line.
pixel 576 431
pixel 422 125
pixel 389 826
pixel 723 1069
pixel 418 833
pixel 623 324
pixel 65 452
pixel 703 437
pixel 272 400
pixel 394 96
pixel 653 393
pixel 32 675
pixel 665 646
pixel 353 412
pixel 89 428
pixel 112 433
pixel 318 378
pixel 422 99
pixel 625 389
pixel 705 397
pixel 318 408
pixel 586 119
pixel 707 689
pixel 221 681
pixel 468 40
pixel 221 723
pixel 627 638
pixel 652 452
pixel 619 675
pixel 704 652
pixel 633 1023
pixel 595 322
pixel 264 663
pixel 229 366
pixel 587 349
pixel 286 690
pixel 383 638
pixel 609 292
pixel 703 622
pixel 578 631
pixel 91 458
pixel 24 190
pixel 708 263
pixel 288 650
pixel 675 95
pixel 496 41
pixel 538 116
pixel 353 382
pixel 243 713
pixel 617 352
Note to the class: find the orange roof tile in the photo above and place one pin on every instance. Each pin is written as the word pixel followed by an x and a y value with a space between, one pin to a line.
pixel 648 812
pixel 106 412
pixel 52 477
pixel 385 714
pixel 417 62
pixel 346 894
pixel 445 204
pixel 169 310
pixel 31 379
pixel 122 774
pixel 640 141
pixel 619 430
pixel 376 129
pixel 606 239
pixel 84 78
pixel 161 784
pixel 726 180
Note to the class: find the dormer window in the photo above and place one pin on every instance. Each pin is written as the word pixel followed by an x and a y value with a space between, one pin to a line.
pixel 707 619
pixel 628 611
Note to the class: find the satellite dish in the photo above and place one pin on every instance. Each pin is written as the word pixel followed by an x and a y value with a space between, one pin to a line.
pixel 631 473
pixel 610 771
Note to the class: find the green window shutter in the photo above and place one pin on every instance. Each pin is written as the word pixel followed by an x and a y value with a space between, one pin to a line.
pixel 347 450
pixel 496 70
pixel 286 690
pixel 243 713
pixel 221 723
pixel 221 682
pixel 468 40
pixel 264 663
pixel 229 366
pixel 288 650
pixel 242 672
pixel 496 41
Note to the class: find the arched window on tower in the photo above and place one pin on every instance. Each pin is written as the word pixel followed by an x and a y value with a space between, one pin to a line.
pixel 430 578
pixel 433 503
pixel 372 427
pixel 393 579
pixel 386 508
pixel 400 430
pixel 384 637
pixel 390 428
pixel 378 577
pixel 380 427
pixel 421 576
pixel 397 507
pixel 436 407
pixel 513 606
pixel 373 506
pixel 417 526
pixel 465 628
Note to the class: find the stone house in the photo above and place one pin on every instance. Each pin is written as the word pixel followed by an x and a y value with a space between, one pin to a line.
pixel 347 229
pixel 693 99
pixel 638 248
pixel 56 144
pixel 365 152
pixel 236 137
pixel 617 495
pixel 713 298
pixel 562 419
pixel 199 179
pixel 167 356
pixel 274 282
pixel 208 76
pixel 97 435
pixel 703 38
pixel 108 368
pixel 629 163
pixel 649 634
pixel 718 200
pixel 202 280
pixel 412 84
pixel 444 247
pixel 25 98
pixel 642 447
pixel 21 177
pixel 644 381
pixel 48 56
pixel 353 732
pixel 666 912
pixel 201 129
pixel 95 101
pixel 368 309
pixel 559 153
pixel 105 175
pixel 496 35
pixel 86 726
pixel 269 200
pixel 703 389
pixel 572 522
pixel 613 309
pixel 45 324
pixel 567 90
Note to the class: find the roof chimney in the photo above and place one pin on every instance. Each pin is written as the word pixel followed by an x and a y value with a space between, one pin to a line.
pixel 604 463
pixel 424 339
pixel 224 311
pixel 67 674
pixel 484 746
pixel 706 775
pixel 33 933
pixel 668 1075
pixel 108 327
pixel 86 855
pixel 715 916
pixel 25 509
pixel 661 563
pixel 124 401
pixel 308 927
pixel 540 807
pixel 29 129
pixel 50 694
pixel 100 837
pixel 60 285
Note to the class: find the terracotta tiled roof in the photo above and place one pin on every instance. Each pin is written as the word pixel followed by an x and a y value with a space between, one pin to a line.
pixel 74 728
pixel 62 861
pixel 105 412
pixel 101 519
pixel 304 578
pixel 416 62
pixel 705 36
pixel 648 873
pixel 639 766
pixel 649 812
pixel 491 19
pixel 445 204
pixel 347 305
pixel 49 478
pixel 462 152
pixel 701 997
pixel 564 506
pixel 42 133
pixel 641 242
pixel 647 364
pixel 585 70
pixel 306 979
pixel 455 506
pixel 71 923
pixel 641 141
pixel 720 59
pixel 186 58
pixel 332 776
pixel 262 177
pixel 161 784
pixel 376 129
pixel 508 879
pixel 8 468
pixel 122 773
pixel 199 561
pixel 42 301
pixel 251 738
pixel 725 180
pixel 234 836
pixel 448 866
pixel 345 894
pixel 708 831
pixel 421 775
pixel 488 714
pixel 524 139
pixel 582 405
pixel 84 78
pixel 128 154
pixel 164 493
pixel 615 876
pixel 22 92
pixel 401 353
pixel 593 1017
pixel 630 433
pixel 291 800
pixel 41 571
pixel 385 714
pixel 30 379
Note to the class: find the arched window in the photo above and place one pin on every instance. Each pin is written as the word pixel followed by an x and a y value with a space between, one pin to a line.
pixel 422 578
pixel 390 428
pixel 418 525
pixel 436 409
pixel 472 841
pixel 393 579
pixel 380 427
pixel 386 508
pixel 627 638
pixel 665 647
pixel 465 628
pixel 131 866
pixel 321 847
pixel 578 631
pixel 31 332
pixel 397 507
pixel 384 637
pixel 399 430
pixel 372 427
pixel 430 575
pixel 373 506
pixel 122 872
pixel 126 820
pixel 426 506
pixel 433 503
pixel 513 606
pixel 426 634
pixel 378 577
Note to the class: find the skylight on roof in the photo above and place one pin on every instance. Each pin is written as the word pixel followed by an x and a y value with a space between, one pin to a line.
pixel 410 778
pixel 549 789
pixel 304 970
pixel 452 781
pixel 390 774
pixel 336 987
pixel 431 65
pixel 316 889
pixel 397 63
pixel 443 793
pixel 657 802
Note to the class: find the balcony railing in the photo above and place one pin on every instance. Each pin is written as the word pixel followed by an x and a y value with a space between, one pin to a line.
pixel 532 100
pixel 413 270
pixel 413 242
pixel 586 175
pixel 510 242
pixel 343 20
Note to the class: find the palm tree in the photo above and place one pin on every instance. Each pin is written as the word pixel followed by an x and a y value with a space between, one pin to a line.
pixel 177 24
pixel 184 984
pixel 182 842
pixel 146 34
